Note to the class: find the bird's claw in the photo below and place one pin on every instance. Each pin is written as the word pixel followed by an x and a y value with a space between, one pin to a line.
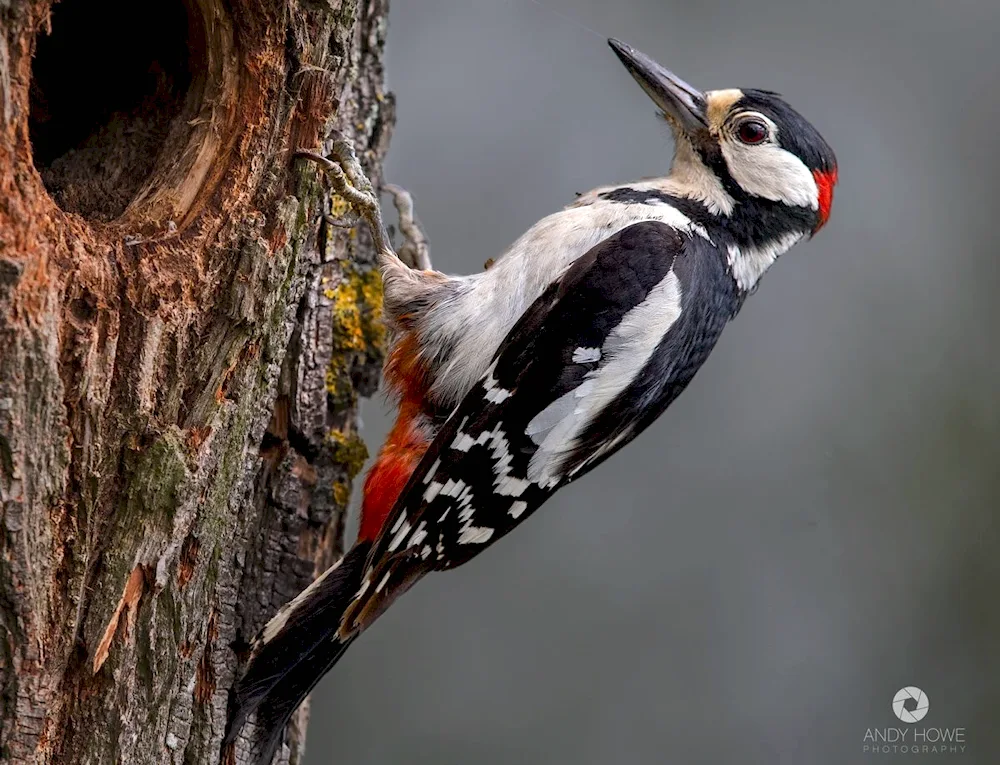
pixel 343 150
pixel 350 182
pixel 362 200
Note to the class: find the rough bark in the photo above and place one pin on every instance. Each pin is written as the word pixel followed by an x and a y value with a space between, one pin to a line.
pixel 182 344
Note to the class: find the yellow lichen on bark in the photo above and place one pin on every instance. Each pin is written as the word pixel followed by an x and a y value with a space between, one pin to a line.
pixel 356 309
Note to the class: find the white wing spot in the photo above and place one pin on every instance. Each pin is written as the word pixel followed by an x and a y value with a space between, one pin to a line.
pixel 400 536
pixel 475 535
pixel 432 470
pixel 511 487
pixel 432 491
pixel 364 586
pixel 463 442
pixel 419 535
pixel 398 523
pixel 586 355
pixel 385 579
pixel 501 453
pixel 497 394
pixel 425 553
pixel 494 392
pixel 517 509
pixel 505 484
pixel 452 488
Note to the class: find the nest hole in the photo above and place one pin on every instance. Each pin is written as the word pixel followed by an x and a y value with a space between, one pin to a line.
pixel 110 82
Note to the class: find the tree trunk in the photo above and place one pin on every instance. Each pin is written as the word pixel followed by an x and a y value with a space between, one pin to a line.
pixel 182 343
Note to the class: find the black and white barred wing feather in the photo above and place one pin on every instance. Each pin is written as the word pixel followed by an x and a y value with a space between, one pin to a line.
pixel 592 362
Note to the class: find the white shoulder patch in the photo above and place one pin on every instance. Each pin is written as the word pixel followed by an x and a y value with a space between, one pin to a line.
pixel 625 352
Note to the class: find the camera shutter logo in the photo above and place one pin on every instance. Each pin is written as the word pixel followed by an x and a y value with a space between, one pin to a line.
pixel 910 704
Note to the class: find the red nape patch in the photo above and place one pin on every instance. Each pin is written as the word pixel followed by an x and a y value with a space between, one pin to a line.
pixel 825 181
pixel 396 462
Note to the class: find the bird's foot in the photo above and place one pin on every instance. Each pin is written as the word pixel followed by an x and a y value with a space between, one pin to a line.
pixel 352 185
pixel 350 182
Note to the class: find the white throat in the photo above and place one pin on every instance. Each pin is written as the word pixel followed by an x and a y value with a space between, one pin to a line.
pixel 689 177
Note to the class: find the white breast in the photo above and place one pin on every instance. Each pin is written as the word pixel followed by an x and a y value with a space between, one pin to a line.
pixel 466 330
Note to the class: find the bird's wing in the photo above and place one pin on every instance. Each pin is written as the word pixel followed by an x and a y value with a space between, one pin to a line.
pixel 596 358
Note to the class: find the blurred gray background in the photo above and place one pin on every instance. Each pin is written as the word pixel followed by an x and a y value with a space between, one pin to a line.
pixel 812 525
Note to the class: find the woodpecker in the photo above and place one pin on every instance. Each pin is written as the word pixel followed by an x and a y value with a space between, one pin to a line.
pixel 518 380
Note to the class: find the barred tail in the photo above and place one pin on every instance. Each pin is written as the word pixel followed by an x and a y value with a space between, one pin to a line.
pixel 294 650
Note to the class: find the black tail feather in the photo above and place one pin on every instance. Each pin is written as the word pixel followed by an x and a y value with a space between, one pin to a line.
pixel 292 653
pixel 279 706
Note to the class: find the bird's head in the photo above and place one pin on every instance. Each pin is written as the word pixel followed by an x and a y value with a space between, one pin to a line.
pixel 735 146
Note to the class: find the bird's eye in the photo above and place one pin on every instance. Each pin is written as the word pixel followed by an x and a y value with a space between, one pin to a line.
pixel 752 131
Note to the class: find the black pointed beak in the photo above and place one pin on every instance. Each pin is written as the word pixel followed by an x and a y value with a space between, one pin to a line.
pixel 678 100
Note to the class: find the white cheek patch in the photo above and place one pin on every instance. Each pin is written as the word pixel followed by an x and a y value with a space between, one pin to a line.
pixel 766 170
